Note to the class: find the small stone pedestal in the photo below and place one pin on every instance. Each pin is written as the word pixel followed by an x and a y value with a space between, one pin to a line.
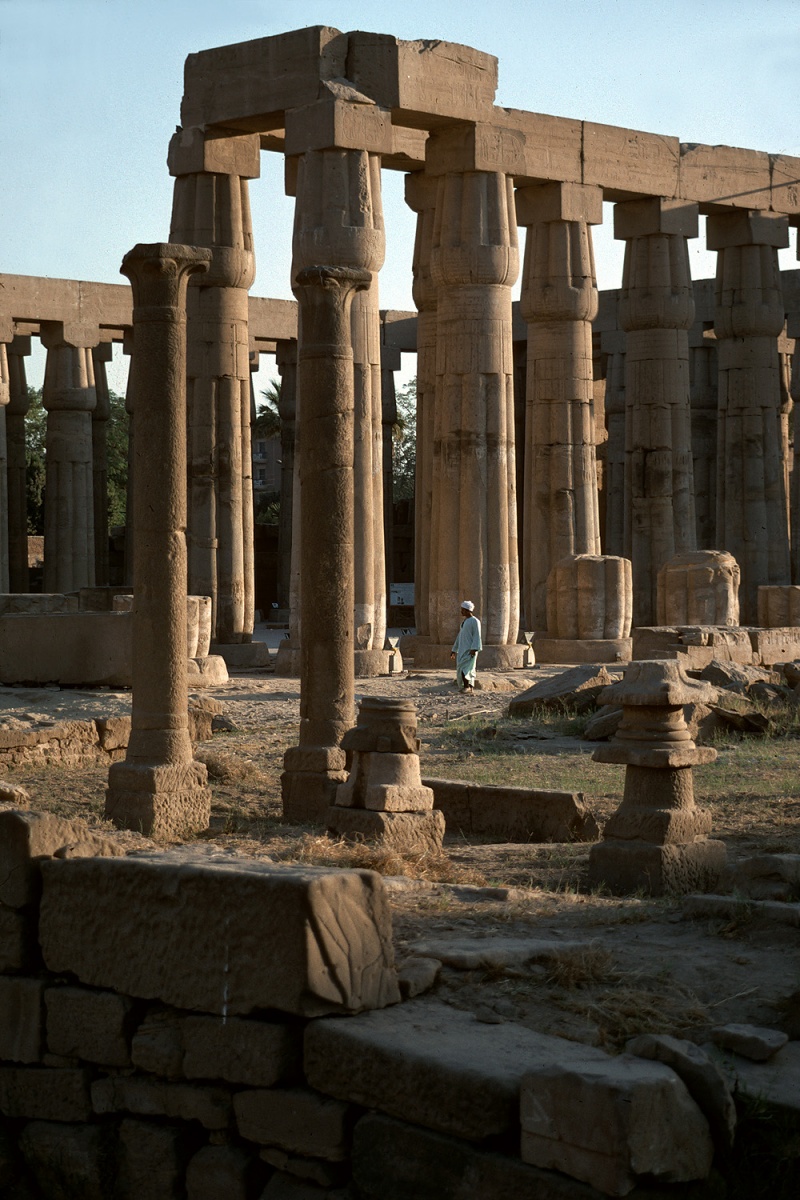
pixel 657 840
pixel 383 798
pixel 700 587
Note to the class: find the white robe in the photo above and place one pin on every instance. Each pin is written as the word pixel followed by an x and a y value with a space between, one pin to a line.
pixel 468 639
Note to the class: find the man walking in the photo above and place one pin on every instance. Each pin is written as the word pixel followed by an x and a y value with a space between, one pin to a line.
pixel 466 647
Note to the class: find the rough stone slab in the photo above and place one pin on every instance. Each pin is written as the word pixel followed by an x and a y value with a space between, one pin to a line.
pixel 705 1081
pixel 405 832
pixel 26 839
pixel 151 1098
pixel 772 646
pixel 210 671
pixel 628 162
pixel 88 649
pixel 433 1065
pixel 21 1019
pixel 14 795
pixel 776 1082
pixel 18 945
pixel 735 677
pixel 417 975
pixel 513 814
pixel 295 1119
pixel 625 867
pixel 46 1093
pixel 749 1041
pixel 259 1053
pixel 607 1123
pixel 220 934
pixel 241 656
pixel 150 1160
pixel 217 1171
pixel 70 1160
pixel 577 689
pixel 725 907
pixel 168 801
pixel 494 953
pixel 700 643
pixel 603 725
pixel 768 876
pixel 95 1026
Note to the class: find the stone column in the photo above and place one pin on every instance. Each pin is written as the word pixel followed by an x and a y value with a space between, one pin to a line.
pixel 16 412
pixel 474 551
pixel 5 397
pixel 793 330
pixel 69 398
pixel 656 309
pixel 703 394
pixel 130 533
pixel 286 360
pixel 212 208
pixel 420 194
pixel 749 316
pixel 391 361
pixel 612 343
pixel 159 789
pixel 101 355
pixel 559 302
pixel 785 349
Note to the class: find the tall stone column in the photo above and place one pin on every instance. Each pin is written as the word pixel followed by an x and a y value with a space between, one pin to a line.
pixel 612 343
pixel 559 302
pixel 391 361
pixel 69 397
pixel 286 359
pixel 101 355
pixel 785 349
pixel 749 316
pixel 130 533
pixel 703 375
pixel 474 553
pixel 211 208
pixel 656 309
pixel 19 403
pixel 421 190
pixel 5 396
pixel 159 789
pixel 793 330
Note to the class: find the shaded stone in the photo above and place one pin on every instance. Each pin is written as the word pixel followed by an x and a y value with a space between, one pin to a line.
pixel 259 1053
pixel 211 1106
pixel 150 1160
pixel 416 975
pixel 700 587
pixel 70 1160
pixel 750 1041
pixel 405 832
pixel 217 1171
pixel 27 839
pixel 577 690
pixel 704 1080
pixel 297 1120
pixel 604 725
pixel 768 876
pixel 46 1093
pixel 95 1026
pixel 513 814
pixel 18 945
pixel 21 1019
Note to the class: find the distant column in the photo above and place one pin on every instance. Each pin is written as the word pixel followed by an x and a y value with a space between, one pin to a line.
pixel 559 302
pixel 5 396
pixel 69 397
pixel 159 789
pixel 703 373
pixel 656 309
pixel 612 343
pixel 390 362
pixel 101 355
pixel 749 316
pixel 130 532
pixel 17 409
pixel 286 359
pixel 793 330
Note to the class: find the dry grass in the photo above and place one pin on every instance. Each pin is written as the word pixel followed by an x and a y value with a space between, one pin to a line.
pixel 581 967
pixel 318 850
pixel 623 1012
pixel 231 768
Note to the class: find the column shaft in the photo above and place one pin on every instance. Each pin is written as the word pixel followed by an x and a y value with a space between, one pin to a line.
pixel 100 418
pixel 286 358
pixel 5 396
pixel 16 411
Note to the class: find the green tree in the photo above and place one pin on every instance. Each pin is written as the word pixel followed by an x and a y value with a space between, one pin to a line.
pixel 268 418
pixel 404 443
pixel 117 460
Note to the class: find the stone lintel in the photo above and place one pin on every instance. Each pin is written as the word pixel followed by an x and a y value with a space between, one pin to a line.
pixel 193 150
pixel 478 146
pixel 629 162
pixel 746 228
pixel 335 124
pixel 721 176
pixel 544 202
pixel 640 218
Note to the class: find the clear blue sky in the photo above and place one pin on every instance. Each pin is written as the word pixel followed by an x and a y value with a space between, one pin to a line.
pixel 90 93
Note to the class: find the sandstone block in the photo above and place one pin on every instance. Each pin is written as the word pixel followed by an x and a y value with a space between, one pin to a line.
pixel 582 650
pixel 46 1093
pixel 151 1098
pixel 191 151
pixel 589 597
pixel 217 1171
pixel 259 1053
pixel 416 975
pixel 750 1041
pixel 577 689
pixel 18 944
pixel 295 1119
pixel 210 671
pixel 628 161
pixel 95 1026
pixel 405 832
pixel 21 1019
pixel 26 839
pixel 150 1160
pixel 436 1066
pixel 307 798
pixel 514 814
pixel 705 1082
pixel 771 646
pixel 114 732
pixel 768 876
pixel 699 588
pixel 70 1160
pixel 306 941
pixel 169 801
pixel 625 867
pixel 608 1123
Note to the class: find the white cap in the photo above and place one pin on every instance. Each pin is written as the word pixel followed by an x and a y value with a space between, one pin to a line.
pixel 468 605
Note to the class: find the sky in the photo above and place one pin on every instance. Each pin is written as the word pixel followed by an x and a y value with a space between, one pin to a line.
pixel 90 94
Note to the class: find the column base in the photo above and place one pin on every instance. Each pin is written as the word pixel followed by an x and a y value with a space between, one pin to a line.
pixel 367 664
pixel 491 658
pixel 582 650
pixel 161 801
pixel 309 782
pixel 404 832
pixel 210 671
pixel 624 867
pixel 241 655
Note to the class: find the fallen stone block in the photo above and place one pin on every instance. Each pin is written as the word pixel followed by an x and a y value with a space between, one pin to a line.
pixel 768 877
pixel 609 1123
pixel 735 677
pixel 513 814
pixel 404 832
pixel 496 953
pixel 45 1093
pixel 775 1083
pixel 70 1160
pixel 259 1053
pixel 624 867
pixel 749 1041
pixel 704 1080
pixel 221 934
pixel 575 690
pixel 728 908
pixel 417 974
pixel 151 1160
pixel 94 1026
pixel 210 671
pixel 297 1120
pixel 603 725
pixel 26 840
pixel 210 1106
pixel 700 644
pixel 284 1186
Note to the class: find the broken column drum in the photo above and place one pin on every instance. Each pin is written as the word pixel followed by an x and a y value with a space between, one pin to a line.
pixel 589 610
pixel 383 798
pixel 700 588
pixel 657 840
pixel 159 789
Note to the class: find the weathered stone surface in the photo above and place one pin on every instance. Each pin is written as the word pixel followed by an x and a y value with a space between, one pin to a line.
pixel 776 1082
pixel 211 1106
pixel 699 587
pixel 702 642
pixel 168 800
pixel 217 1171
pixel 13 794
pixel 772 646
pixel 283 1186
pixel 259 1053
pixel 18 945
pixel 768 876
pixel 405 832
pixel 611 1122
pixel 416 975
pixel 26 839
pixel 21 1019
pixel 604 725
pixel 70 1160
pixel 626 866
pixel 750 1041
pixel 49 1094
pixel 513 814
pixel 577 689
pixel 704 1080
pixel 569 651
pixel 150 1160
pixel 295 1119
pixel 494 953
pixel 95 1026
pixel 314 1170
pixel 76 649
pixel 735 677
pixel 307 941
pixel 433 1065
pixel 726 907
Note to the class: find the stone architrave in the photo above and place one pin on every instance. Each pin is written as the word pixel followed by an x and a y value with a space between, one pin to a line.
pixel 69 397
pixel 286 360
pixel 657 840
pixel 656 309
pixel 793 330
pixel 703 373
pixel 613 343
pixel 749 317
pixel 589 610
pixel 474 551
pixel 559 302
pixel 159 789
pixel 420 194
pixel 16 411
pixel 101 355
pixel 699 588
pixel 5 397
pixel 212 208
